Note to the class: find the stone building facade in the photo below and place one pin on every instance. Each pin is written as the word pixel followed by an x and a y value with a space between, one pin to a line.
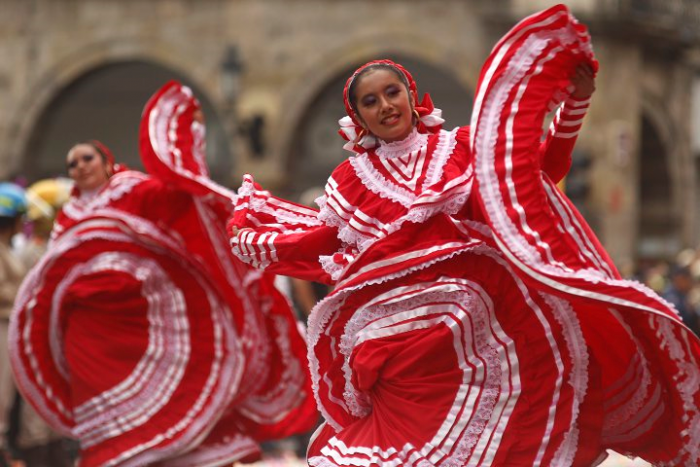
pixel 79 69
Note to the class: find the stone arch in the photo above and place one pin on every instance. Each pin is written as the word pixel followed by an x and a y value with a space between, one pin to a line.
pixel 660 218
pixel 64 79
pixel 322 89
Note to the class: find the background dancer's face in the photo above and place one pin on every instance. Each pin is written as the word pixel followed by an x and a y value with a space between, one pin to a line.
pixel 87 167
pixel 384 105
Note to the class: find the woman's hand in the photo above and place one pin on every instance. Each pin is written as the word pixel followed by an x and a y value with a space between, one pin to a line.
pixel 583 81
pixel 237 232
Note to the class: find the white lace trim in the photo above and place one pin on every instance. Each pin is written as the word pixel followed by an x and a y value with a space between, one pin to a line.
pixel 491 386
pixel 259 201
pixel 288 393
pixel 225 452
pixel 450 207
pixel 324 310
pixel 443 150
pixel 378 184
pixel 241 281
pixel 687 382
pixel 522 249
pixel 359 403
pixel 416 214
pixel 578 378
pixel 352 237
pixel 413 142
pixel 320 316
pixel 524 58
pixel 346 233
pixel 331 218
pixel 319 461
pixel 118 186
pixel 334 269
pixel 224 380
pixel 261 205
pixel 615 419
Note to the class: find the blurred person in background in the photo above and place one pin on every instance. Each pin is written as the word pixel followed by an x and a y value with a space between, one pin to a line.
pixel 13 206
pixel 37 444
pixel 139 333
pixel 44 201
pixel 678 293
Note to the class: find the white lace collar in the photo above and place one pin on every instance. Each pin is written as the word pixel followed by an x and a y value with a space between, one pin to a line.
pixel 413 142
pixel 87 195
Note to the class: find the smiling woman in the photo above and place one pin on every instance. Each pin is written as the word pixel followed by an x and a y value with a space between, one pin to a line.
pixel 475 319
pixel 381 98
pixel 89 166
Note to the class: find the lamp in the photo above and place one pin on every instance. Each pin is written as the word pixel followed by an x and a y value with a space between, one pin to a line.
pixel 252 129
pixel 231 69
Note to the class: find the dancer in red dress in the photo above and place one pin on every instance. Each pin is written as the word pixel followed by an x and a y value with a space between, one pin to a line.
pixel 475 319
pixel 139 333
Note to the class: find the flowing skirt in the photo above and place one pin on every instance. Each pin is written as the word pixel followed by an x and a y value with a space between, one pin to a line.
pixel 522 347
pixel 122 340
pixel 464 364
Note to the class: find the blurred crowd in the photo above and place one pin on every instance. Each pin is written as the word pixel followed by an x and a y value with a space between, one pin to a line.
pixel 677 280
pixel 26 220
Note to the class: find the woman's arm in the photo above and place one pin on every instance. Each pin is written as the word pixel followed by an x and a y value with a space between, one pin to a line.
pixel 557 148
pixel 293 253
pixel 280 236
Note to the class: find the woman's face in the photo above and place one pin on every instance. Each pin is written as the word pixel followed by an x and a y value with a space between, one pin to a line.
pixel 384 105
pixel 86 167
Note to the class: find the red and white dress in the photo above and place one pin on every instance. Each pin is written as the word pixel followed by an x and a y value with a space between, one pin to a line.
pixel 140 335
pixel 475 318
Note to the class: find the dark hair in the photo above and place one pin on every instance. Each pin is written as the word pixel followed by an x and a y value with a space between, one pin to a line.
pixel 679 271
pixel 8 222
pixel 104 157
pixel 352 97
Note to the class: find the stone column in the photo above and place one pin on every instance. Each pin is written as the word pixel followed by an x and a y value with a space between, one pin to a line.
pixel 611 134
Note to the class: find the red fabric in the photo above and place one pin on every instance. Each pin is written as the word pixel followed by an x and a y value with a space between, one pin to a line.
pixel 111 161
pixel 172 141
pixel 142 336
pixel 414 374
pixel 553 248
pixel 296 244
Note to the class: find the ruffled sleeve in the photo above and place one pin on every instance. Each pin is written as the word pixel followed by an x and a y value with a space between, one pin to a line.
pixel 280 236
pixel 557 148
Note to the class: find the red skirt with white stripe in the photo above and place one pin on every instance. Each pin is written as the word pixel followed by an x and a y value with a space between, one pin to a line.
pixel 447 368
pixel 465 363
pixel 123 339
pixel 117 339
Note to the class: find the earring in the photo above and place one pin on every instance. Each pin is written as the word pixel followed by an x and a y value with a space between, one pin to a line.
pixel 416 114
pixel 362 133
